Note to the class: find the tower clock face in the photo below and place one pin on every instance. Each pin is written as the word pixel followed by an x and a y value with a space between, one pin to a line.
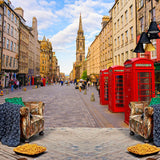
pixel 80 48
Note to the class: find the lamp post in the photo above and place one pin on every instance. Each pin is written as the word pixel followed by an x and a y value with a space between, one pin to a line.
pixel 145 37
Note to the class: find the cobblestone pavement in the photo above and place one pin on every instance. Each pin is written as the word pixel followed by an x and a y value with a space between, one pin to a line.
pixel 67 107
pixel 76 128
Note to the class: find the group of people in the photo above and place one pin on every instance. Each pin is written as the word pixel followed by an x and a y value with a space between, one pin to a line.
pixel 15 83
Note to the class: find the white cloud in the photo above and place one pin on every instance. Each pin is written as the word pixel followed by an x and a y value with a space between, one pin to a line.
pixel 33 8
pixel 67 19
pixel 45 3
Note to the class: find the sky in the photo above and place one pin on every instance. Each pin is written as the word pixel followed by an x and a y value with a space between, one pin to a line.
pixel 58 21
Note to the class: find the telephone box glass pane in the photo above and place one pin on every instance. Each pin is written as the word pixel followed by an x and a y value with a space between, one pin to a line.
pixel 119 90
pixel 106 88
pixel 144 86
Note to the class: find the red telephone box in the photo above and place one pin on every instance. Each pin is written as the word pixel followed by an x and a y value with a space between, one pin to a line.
pixel 139 82
pixel 103 86
pixel 116 87
pixel 32 80
pixel 44 82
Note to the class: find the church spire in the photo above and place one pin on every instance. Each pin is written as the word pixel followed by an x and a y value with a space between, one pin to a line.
pixel 44 38
pixel 80 24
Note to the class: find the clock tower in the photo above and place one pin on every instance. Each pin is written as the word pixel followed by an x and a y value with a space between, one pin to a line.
pixel 80 44
pixel 80 50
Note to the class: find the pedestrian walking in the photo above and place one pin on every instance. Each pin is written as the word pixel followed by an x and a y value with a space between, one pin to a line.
pixel 18 84
pixel 15 84
pixel 12 85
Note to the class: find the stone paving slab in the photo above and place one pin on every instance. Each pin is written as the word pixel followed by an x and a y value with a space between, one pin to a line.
pixel 83 144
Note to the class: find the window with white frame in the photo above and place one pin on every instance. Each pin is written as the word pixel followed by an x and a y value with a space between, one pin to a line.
pixel 115 60
pixel 3 60
pixel 15 19
pixel 126 16
pixel 118 23
pixel 142 23
pixel 12 17
pixel 118 41
pixel 131 11
pixel 8 28
pixel 7 57
pixel 122 20
pixel 13 62
pixel 119 59
pixel 115 10
pixel 15 33
pixel 140 3
pixel 4 25
pixel 126 56
pixel 122 38
pixel 9 14
pixel 10 63
pixel 126 36
pixel 131 33
pixel 115 42
pixel 115 26
pixel 7 43
pixel 152 12
pixel 11 30
pixel 11 46
pixel 14 48
pixel 4 42
pixel 118 6
pixel 5 10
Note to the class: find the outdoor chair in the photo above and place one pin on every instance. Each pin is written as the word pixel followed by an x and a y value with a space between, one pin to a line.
pixel 141 119
pixel 32 120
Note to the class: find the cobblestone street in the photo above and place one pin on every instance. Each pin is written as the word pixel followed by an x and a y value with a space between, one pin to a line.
pixel 65 106
pixel 76 128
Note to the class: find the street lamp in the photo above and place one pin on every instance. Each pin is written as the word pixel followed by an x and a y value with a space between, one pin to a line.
pixel 145 38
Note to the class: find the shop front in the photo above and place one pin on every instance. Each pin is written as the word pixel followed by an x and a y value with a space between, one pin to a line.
pixel 21 77
pixel 6 78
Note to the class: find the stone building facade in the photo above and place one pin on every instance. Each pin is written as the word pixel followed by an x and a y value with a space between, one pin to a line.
pixel 124 30
pixel 144 16
pixel 10 47
pixel 55 68
pixel 23 48
pixel 34 52
pixel 45 58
